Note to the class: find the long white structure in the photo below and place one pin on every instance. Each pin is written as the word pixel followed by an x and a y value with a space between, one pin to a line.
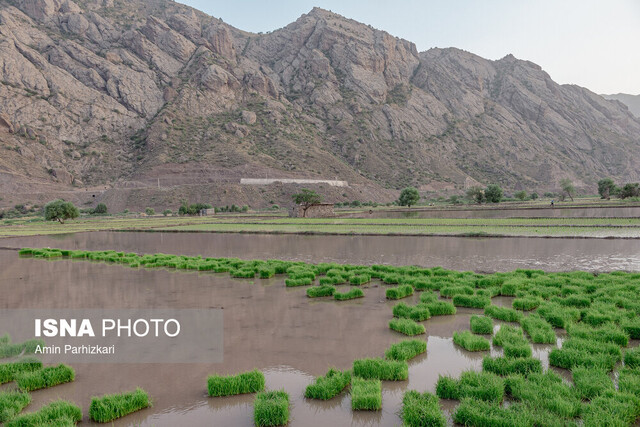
pixel 267 181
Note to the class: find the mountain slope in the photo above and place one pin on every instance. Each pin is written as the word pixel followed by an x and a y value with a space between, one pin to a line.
pixel 631 101
pixel 123 95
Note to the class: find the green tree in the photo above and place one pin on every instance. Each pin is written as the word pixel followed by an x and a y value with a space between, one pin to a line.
pixel 59 210
pixel 409 196
pixel 630 190
pixel 100 209
pixel 476 194
pixel 493 193
pixel 166 212
pixel 150 211
pixel 567 188
pixel 520 195
pixel 306 198
pixel 534 196
pixel 606 188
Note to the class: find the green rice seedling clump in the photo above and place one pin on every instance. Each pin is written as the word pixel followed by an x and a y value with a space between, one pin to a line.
pixel 351 294
pixel 577 301
pixel 539 330
pixel 266 272
pixel 26 347
pixel 11 403
pixel 508 366
pixel 481 325
pixel 321 291
pixel 440 308
pixel 271 408
pixel 418 312
pixel 428 297
pixel 605 333
pixel 632 358
pixel 366 394
pixel 526 303
pixel 592 346
pixel 508 334
pixel 8 371
pixel 5 339
pixel 359 279
pixel 113 406
pixel 388 370
pixel 557 315
pixel 242 273
pixel 629 381
pixel 328 386
pixel 451 291
pixel 517 350
pixel 544 391
pixel 246 382
pixel 590 383
pixel 303 281
pixel 571 358
pixel 471 301
pixel 57 413
pixel 405 350
pixel 407 327
pixel 479 385
pixel 399 292
pixel 474 412
pixel 612 409
pixel 422 409
pixel 632 327
pixel 503 313
pixel 471 342
pixel 45 377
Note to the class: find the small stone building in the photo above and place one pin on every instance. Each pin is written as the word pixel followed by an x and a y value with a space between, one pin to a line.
pixel 207 212
pixel 320 210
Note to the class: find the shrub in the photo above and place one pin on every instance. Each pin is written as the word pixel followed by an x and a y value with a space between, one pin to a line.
pixel 479 385
pixel 389 370
pixel 9 371
pixel 493 193
pixel 271 408
pixel 45 377
pixel 508 366
pixel 366 394
pixel 101 208
pixel 632 357
pixel 406 326
pixel 54 414
pixel 481 325
pixel 321 291
pixel 113 406
pixel 246 382
pixel 405 350
pixel 399 292
pixel 167 212
pixel 328 386
pixel 503 313
pixel 418 312
pixel 351 294
pixel 472 301
pixel 538 329
pixel 422 409
pixel 471 342
pixel 591 382
pixel 11 403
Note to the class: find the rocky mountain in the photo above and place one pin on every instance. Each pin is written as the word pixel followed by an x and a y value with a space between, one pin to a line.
pixel 142 103
pixel 631 101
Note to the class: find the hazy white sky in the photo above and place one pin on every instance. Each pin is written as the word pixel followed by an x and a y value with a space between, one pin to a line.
pixel 592 43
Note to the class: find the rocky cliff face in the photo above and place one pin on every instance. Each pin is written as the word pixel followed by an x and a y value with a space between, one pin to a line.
pixel 123 93
pixel 631 101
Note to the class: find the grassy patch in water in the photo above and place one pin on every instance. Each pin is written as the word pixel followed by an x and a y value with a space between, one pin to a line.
pixel 246 382
pixel 399 292
pixel 481 325
pixel 612 409
pixel 303 281
pixel 557 315
pixel 569 358
pixel 366 395
pixel 9 371
pixel 45 377
pixel 59 413
pixel 359 279
pixel 422 409
pixel 590 382
pixel 405 350
pixel 407 326
pixel 503 313
pixel 538 329
pixel 508 366
pixel 479 385
pixel 351 294
pixel 113 406
pixel 321 291
pixel 544 391
pixel 606 333
pixel 417 312
pixel 26 347
pixel 388 370
pixel 471 301
pixel 271 408
pixel 328 386
pixel 440 308
pixel 526 303
pixel 11 403
pixel 471 342
pixel 629 381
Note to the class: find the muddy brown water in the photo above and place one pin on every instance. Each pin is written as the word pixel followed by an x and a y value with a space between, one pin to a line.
pixel 289 337
pixel 482 254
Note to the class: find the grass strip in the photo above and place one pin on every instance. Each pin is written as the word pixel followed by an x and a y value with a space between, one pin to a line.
pixel 503 313
pixel 27 347
pixel 545 391
pixel 605 333
pixel 58 414
pixel 321 291
pixel 479 385
pixel 538 329
pixel 246 382
pixel 113 406
pixel 406 350
pixel 11 403
pixel 632 358
pixel 328 386
pixel 9 371
pixel 366 395
pixel 407 327
pixel 471 342
pixel 388 370
pixel 481 325
pixel 399 292
pixel 504 366
pixel 612 409
pixel 271 408
pixel 417 312
pixel 590 382
pixel 351 294
pixel 422 409
pixel 45 377
pixel 471 301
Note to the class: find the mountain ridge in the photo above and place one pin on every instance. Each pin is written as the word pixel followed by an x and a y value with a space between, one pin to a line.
pixel 116 96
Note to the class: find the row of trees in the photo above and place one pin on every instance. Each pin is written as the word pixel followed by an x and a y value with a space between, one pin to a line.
pixel 607 188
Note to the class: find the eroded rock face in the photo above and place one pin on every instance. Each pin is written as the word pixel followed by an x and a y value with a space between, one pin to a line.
pixel 107 90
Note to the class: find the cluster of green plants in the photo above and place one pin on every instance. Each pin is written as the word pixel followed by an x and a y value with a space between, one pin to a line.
pixel 407 326
pixel 11 403
pixel 9 349
pixel 366 394
pixel 328 386
pixel 271 408
pixel 608 188
pixel 110 407
pixel 232 208
pixel 471 342
pixel 388 370
pixel 45 377
pixel 422 409
pixel 192 209
pixel 9 371
pixel 58 413
pixel 246 382
pixel 481 325
pixel 405 350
